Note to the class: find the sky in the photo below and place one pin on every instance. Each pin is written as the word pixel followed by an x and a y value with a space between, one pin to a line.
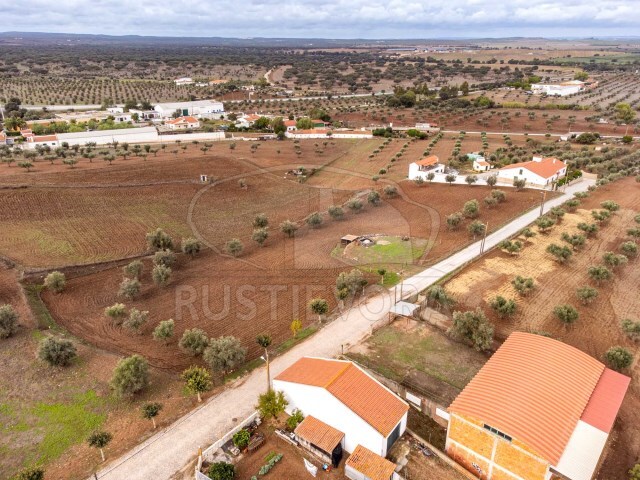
pixel 328 18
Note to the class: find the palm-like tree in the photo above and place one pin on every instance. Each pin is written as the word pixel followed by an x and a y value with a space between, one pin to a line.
pixel 264 341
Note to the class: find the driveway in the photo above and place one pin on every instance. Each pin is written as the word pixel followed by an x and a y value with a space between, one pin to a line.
pixel 172 448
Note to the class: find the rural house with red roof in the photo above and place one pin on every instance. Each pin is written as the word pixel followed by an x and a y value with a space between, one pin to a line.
pixel 345 408
pixel 421 168
pixel 183 123
pixel 537 408
pixel 539 171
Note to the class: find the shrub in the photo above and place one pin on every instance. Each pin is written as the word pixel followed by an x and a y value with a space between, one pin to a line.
pixel 527 233
pixel 490 202
pixel 57 351
pixel 260 236
pixel 55 282
pixel 471 179
pixel 136 320
pixel 221 471
pixel 294 419
pixel 234 247
pixel 567 314
pixel 473 327
pixel 260 221
pixel 319 306
pixel 454 220
pixel 492 180
pixel 476 228
pixel 165 258
pixel 289 228
pixel 576 241
pixel 191 246
pixel 601 216
pixel 561 254
pixel 373 198
pixel 419 181
pixel 438 296
pixel 618 358
pixel 129 288
pixel 503 307
pixel 161 275
pixel 634 473
pixel 572 205
pixel 159 240
pixel 511 247
pixel 586 294
pixel 390 191
pixel 336 212
pixel 8 321
pixel 314 220
pixel 590 229
pixel 523 285
pixel 630 249
pixel 130 375
pixel 164 331
pixel 450 178
pixel 519 183
pixel 631 328
pixel 471 209
pixel 545 223
pixel 30 473
pixel 150 411
pixel 354 205
pixel 116 312
pixel 194 341
pixel 614 260
pixel 271 404
pixel 241 439
pixel 610 205
pixel 599 274
pixel 351 281
pixel 133 269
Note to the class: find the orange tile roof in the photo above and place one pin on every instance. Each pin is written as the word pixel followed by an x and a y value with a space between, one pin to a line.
pixel 187 119
pixel 534 389
pixel 44 138
pixel 354 388
pixel 319 433
pixel 546 168
pixel 290 123
pixel 605 401
pixel 430 160
pixel 372 465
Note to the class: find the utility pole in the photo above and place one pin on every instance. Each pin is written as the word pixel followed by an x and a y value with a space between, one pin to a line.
pixel 544 196
pixel 484 238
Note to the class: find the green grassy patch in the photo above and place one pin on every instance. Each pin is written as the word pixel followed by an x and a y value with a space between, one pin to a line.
pixel 37 306
pixel 387 250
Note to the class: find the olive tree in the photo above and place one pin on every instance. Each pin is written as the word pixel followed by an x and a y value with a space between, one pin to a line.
pixel 473 327
pixel 191 246
pixel 545 223
pixel 476 228
pixel 454 220
pixel 523 285
pixel 471 209
pixel 57 351
pixel 130 376
pixel 30 473
pixel 314 220
pixel 319 306
pixel 586 294
pixel 503 307
pixel 618 358
pixel 599 274
pixel 560 253
pixel 260 221
pixel 614 260
pixel 260 236
pixel 439 297
pixel 164 331
pixel 492 180
pixel 336 212
pixel 289 228
pixel 373 198
pixel 55 281
pixel 159 240
pixel 194 341
pixel 567 314
pixel 224 354
pixel 161 275
pixel 234 247
pixel 8 321
pixel 129 288
pixel 133 269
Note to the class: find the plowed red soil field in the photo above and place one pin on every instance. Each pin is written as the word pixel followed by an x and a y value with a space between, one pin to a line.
pixel 598 327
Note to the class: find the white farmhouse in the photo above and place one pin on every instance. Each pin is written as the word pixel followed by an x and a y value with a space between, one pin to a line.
pixel 423 167
pixel 345 398
pixel 183 81
pixel 539 171
pixel 104 137
pixel 197 108
pixel 183 123
pixel 558 90
pixel 35 141
pixel 480 164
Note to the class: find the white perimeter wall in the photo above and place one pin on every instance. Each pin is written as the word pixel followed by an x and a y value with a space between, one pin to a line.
pixel 321 404
pixel 214 136
pixel 124 135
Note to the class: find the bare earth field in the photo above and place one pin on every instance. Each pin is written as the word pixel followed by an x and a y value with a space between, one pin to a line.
pixel 598 327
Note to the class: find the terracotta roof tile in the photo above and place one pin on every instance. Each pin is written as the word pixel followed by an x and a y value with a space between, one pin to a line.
pixel 187 119
pixel 428 161
pixel 354 388
pixel 534 389
pixel 373 466
pixel 546 168
pixel 605 401
pixel 319 433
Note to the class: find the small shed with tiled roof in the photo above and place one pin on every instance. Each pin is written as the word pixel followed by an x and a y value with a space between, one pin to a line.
pixel 537 407
pixel 321 439
pixel 345 397
pixel 363 464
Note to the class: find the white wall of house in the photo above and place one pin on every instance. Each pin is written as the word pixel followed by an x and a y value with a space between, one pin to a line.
pixel 508 174
pixel 480 168
pixel 321 404
pixel 103 137
pixel 49 143
pixel 214 136
pixel 415 171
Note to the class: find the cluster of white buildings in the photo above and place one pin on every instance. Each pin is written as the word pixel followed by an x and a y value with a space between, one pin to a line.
pixel 559 89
